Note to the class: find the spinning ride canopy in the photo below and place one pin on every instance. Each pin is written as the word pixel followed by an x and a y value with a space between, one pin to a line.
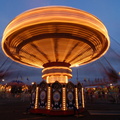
pixel 55 34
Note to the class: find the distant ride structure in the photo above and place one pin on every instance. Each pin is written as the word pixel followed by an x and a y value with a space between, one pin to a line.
pixel 56 38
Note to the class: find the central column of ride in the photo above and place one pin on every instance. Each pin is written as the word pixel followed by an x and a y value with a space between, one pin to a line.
pixel 56 71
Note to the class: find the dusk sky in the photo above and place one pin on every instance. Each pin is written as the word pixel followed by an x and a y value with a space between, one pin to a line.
pixel 108 11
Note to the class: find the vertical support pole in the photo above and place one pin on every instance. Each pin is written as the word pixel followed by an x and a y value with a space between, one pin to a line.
pixel 49 98
pixel 36 98
pixel 77 72
pixel 76 98
pixel 83 98
pixel 64 98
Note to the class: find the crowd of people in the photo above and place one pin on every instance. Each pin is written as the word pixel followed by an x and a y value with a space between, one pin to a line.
pixel 106 94
pixel 92 94
pixel 24 96
pixel 15 93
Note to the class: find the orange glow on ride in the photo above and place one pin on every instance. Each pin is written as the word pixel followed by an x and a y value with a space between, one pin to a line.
pixel 74 36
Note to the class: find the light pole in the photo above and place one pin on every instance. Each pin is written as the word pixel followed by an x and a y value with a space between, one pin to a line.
pixel 77 72
pixel 3 81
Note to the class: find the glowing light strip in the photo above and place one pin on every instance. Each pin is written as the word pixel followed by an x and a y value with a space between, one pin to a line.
pixel 66 78
pixel 47 79
pixel 61 79
pixel 83 101
pixel 56 74
pixel 56 67
pixel 36 98
pixel 64 99
pixel 76 98
pixel 49 99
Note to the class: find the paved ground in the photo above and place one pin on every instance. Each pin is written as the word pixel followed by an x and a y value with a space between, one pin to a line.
pixel 14 110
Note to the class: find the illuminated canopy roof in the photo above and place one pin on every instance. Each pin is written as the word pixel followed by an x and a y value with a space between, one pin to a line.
pixel 55 34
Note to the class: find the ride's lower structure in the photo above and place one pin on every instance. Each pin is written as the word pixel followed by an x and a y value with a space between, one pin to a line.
pixel 57 99
pixel 56 38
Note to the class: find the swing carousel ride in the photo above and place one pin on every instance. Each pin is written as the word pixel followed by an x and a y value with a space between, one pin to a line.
pixel 56 38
